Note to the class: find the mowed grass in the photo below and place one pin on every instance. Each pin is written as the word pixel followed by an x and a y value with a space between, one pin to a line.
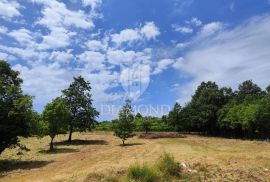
pixel 99 155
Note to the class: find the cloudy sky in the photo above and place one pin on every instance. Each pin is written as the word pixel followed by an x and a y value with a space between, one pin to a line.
pixel 153 51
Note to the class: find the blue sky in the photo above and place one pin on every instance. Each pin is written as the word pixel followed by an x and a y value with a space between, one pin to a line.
pixel 153 51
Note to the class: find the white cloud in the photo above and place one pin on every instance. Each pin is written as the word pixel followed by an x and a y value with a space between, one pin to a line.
pixel 118 57
pixel 94 60
pixel 163 65
pixel 229 57
pixel 3 29
pixel 93 3
pixel 211 28
pixel 195 22
pixel 56 14
pixel 126 35
pixel 22 35
pixel 61 56
pixel 150 30
pixel 58 38
pixel 9 9
pixel 6 57
pixel 95 45
pixel 182 29
pixel 45 82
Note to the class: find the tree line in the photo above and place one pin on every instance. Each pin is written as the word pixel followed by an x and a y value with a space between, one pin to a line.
pixel 243 113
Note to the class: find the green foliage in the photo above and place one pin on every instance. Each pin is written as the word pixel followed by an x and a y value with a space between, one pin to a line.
pixel 145 125
pixel 123 127
pixel 142 173
pixel 79 101
pixel 56 115
pixel 167 165
pixel 15 107
pixel 174 117
pixel 104 126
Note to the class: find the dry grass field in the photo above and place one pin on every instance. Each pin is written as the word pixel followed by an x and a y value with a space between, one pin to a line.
pixel 93 156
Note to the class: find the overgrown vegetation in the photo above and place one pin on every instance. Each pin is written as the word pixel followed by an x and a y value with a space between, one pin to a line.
pixel 243 113
pixel 164 170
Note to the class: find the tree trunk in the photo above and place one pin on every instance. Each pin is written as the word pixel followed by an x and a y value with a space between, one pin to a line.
pixel 70 134
pixel 123 142
pixel 51 144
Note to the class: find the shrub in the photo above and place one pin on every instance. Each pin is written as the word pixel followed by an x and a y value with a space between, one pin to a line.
pixel 167 165
pixel 142 173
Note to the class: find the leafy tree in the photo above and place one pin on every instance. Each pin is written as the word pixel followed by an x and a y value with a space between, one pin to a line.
pixel 56 115
pixel 206 102
pixel 15 107
pixel 174 117
pixel 146 125
pixel 248 91
pixel 123 127
pixel 263 117
pixel 79 101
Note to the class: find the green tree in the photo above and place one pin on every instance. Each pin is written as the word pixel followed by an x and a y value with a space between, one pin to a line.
pixel 56 115
pixel 15 107
pixel 248 91
pixel 146 125
pixel 123 127
pixel 174 117
pixel 205 103
pixel 79 101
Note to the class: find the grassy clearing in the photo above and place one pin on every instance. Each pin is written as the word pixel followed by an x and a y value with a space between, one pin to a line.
pixel 98 156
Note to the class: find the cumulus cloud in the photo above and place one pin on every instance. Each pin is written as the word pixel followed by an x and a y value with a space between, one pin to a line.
pixel 95 45
pixel 148 31
pixel 45 82
pixel 22 35
pixel 9 9
pixel 228 57
pixel 61 56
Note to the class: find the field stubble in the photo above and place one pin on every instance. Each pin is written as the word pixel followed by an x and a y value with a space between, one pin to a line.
pixel 100 154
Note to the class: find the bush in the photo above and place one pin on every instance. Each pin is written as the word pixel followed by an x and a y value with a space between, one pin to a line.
pixel 143 173
pixel 167 165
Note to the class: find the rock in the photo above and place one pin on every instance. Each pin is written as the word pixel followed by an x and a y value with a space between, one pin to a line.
pixel 183 165
pixel 266 170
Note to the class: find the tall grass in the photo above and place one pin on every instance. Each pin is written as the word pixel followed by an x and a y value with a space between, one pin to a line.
pixel 167 165
pixel 142 173
pixel 164 170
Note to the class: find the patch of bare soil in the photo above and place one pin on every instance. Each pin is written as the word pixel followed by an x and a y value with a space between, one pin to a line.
pixel 160 135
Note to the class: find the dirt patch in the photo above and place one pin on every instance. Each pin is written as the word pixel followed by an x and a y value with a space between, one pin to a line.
pixel 160 135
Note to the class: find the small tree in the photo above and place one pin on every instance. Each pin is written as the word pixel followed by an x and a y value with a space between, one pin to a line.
pixel 146 125
pixel 79 101
pixel 123 127
pixel 56 115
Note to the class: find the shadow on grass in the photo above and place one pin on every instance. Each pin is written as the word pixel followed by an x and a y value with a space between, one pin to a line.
pixel 57 151
pixel 130 144
pixel 82 142
pixel 11 165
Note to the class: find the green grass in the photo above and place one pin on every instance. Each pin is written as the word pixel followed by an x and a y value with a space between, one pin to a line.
pixel 142 173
